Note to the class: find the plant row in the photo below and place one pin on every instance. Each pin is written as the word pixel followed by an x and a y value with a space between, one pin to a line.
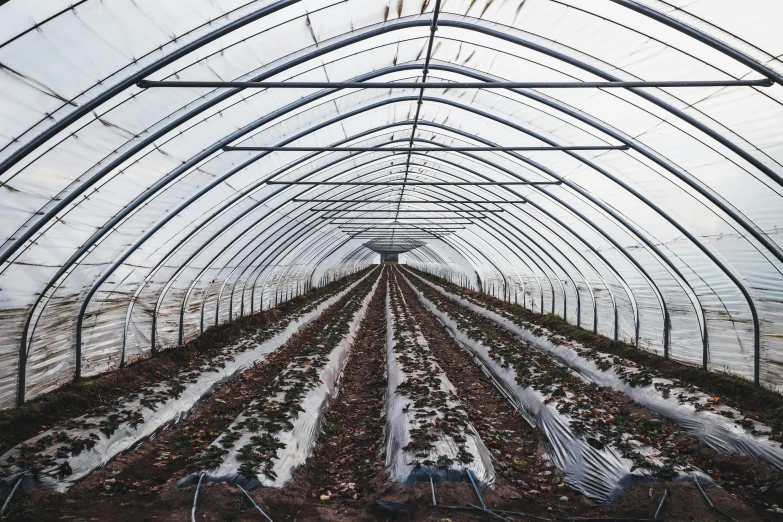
pixel 428 430
pixel 601 445
pixel 59 457
pixel 720 426
pixel 276 433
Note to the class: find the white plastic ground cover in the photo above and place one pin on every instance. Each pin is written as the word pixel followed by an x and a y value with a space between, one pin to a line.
pixel 98 449
pixel 716 425
pixel 296 443
pixel 402 417
pixel 601 473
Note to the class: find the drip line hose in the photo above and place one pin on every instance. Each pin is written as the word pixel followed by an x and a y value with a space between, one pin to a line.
pixel 696 479
pixel 195 497
pixel 490 514
pixel 475 488
pixel 432 488
pixel 11 495
pixel 657 511
pixel 254 503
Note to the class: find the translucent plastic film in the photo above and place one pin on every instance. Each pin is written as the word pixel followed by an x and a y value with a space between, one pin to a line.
pixel 718 426
pixel 597 468
pixel 64 455
pixel 256 451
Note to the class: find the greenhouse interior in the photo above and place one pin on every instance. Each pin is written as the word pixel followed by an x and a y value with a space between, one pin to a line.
pixel 427 260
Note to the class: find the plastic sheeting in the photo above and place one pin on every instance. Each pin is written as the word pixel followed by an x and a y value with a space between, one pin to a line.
pixel 446 454
pixel 599 473
pixel 125 225
pixel 297 441
pixel 155 417
pixel 718 427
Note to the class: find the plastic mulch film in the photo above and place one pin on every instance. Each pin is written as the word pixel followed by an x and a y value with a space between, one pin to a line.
pixel 599 470
pixel 251 454
pixel 68 453
pixel 721 427
pixel 450 443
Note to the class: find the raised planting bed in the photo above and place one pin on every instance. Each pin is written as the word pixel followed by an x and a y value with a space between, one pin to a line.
pixel 601 447
pixel 61 456
pixel 720 426
pixel 428 433
pixel 276 433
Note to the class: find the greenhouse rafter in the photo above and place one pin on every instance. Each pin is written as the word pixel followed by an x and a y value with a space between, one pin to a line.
pixel 158 183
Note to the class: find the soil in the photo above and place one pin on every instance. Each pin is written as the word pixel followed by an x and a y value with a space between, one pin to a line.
pixel 346 477
pixel 78 398
pixel 753 480
pixel 757 402
pixel 138 485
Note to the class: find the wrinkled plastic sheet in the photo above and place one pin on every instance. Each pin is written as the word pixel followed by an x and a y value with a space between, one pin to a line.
pixel 300 440
pixel 127 435
pixel 715 430
pixel 399 423
pixel 601 474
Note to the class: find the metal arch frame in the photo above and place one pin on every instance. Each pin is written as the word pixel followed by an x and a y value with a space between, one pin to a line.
pixel 538 255
pixel 107 227
pixel 157 307
pixel 160 224
pixel 705 327
pixel 701 37
pixel 500 272
pixel 368 34
pixel 543 271
pixel 30 146
pixel 492 224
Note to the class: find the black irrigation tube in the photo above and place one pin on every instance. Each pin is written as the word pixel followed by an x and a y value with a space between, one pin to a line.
pixel 496 514
pixel 50 132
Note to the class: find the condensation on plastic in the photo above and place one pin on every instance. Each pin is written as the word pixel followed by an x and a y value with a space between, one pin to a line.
pixel 399 422
pixel 715 430
pixel 601 474
pixel 127 436
pixel 300 440
pixel 107 42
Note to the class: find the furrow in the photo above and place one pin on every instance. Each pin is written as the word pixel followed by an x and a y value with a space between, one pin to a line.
pixel 61 456
pixel 276 433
